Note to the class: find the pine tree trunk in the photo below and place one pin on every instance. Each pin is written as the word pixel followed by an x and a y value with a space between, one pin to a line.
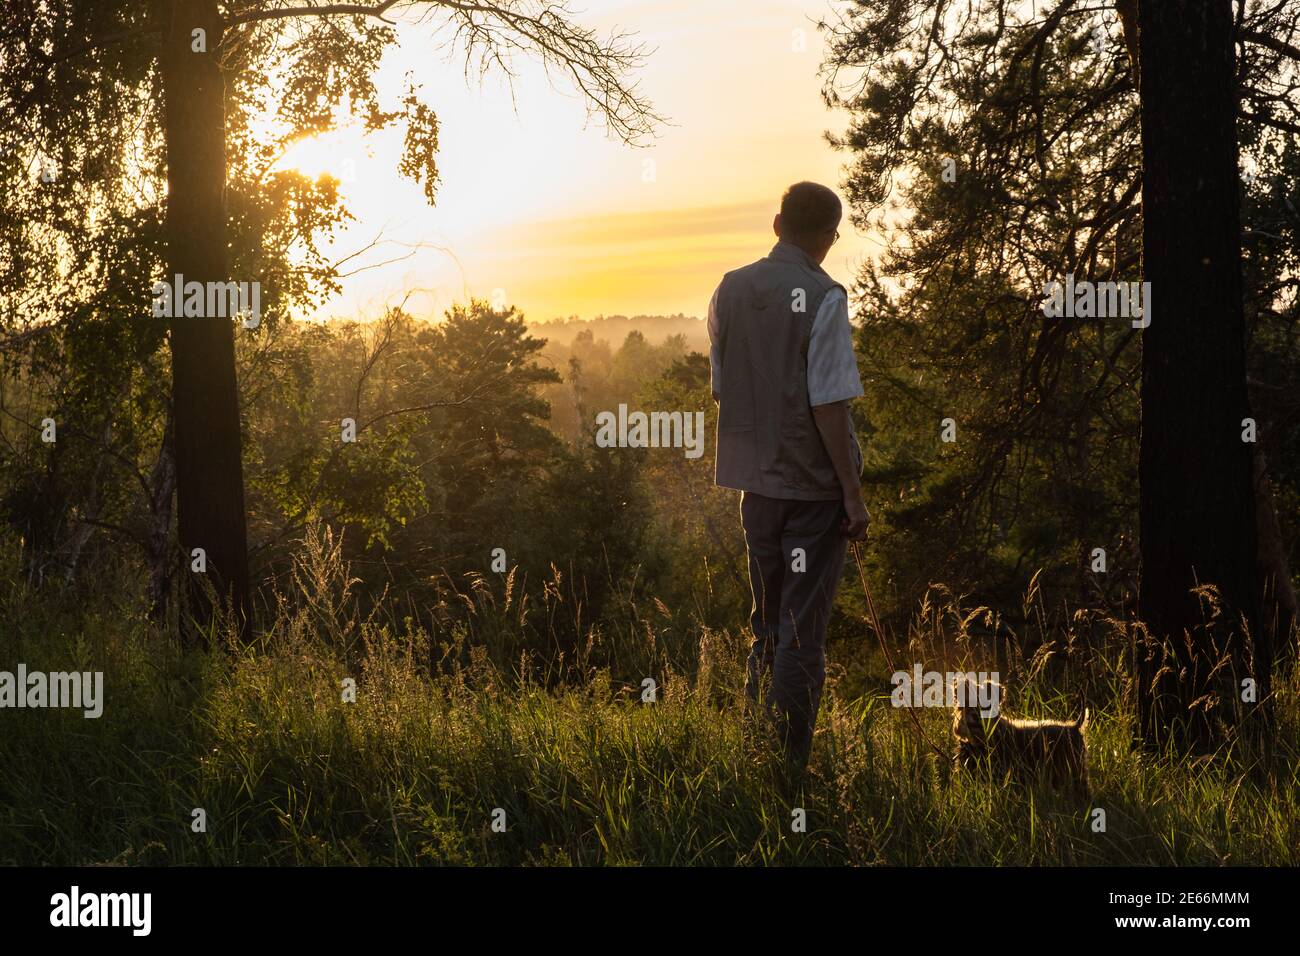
pixel 209 472
pixel 1196 498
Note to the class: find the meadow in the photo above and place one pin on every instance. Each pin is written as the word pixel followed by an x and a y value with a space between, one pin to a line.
pixel 444 735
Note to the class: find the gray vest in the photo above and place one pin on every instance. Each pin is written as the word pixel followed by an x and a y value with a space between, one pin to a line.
pixel 768 442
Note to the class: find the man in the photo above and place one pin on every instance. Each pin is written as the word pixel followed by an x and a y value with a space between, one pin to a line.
pixel 783 374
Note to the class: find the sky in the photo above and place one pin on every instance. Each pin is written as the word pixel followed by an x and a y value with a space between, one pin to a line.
pixel 539 208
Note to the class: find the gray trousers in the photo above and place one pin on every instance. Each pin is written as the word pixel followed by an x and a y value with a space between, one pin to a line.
pixel 787 661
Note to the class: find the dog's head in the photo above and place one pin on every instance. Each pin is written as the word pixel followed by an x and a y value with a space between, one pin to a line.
pixel 975 709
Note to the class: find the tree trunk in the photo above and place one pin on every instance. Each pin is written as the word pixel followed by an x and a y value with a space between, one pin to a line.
pixel 209 473
pixel 1196 496
pixel 1128 15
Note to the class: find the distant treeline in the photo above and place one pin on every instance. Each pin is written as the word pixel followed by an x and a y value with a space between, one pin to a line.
pixel 605 361
pixel 615 328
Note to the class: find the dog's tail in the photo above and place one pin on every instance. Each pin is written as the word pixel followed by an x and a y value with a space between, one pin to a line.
pixel 1082 723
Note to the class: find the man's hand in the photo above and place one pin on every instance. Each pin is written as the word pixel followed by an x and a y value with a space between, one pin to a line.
pixel 856 518
pixel 835 428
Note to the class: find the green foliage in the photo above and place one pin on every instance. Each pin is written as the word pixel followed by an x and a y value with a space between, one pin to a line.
pixel 997 153
pixel 696 522
pixel 288 773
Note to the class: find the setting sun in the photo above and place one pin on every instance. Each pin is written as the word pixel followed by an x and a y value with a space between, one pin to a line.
pixel 333 153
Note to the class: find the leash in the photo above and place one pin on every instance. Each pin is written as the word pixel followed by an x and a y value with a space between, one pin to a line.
pixel 884 647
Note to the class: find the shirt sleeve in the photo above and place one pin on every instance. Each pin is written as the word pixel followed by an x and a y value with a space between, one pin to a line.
pixel 832 366
pixel 715 346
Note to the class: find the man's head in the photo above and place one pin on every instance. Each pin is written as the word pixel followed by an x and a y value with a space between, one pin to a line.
pixel 809 218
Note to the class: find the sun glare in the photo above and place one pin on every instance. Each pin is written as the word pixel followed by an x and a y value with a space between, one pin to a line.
pixel 336 153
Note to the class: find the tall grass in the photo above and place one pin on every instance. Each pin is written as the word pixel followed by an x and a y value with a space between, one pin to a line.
pixel 449 729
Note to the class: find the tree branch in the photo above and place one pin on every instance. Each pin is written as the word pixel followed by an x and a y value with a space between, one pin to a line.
pixel 1268 121
pixel 325 10
pixel 107 39
pixel 1271 43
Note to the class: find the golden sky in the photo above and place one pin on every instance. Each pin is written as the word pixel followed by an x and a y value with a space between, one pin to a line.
pixel 539 208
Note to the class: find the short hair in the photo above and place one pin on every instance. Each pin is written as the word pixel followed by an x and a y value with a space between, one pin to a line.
pixel 809 209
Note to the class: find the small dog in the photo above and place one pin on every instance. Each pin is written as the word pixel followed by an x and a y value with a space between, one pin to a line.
pixel 1052 751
